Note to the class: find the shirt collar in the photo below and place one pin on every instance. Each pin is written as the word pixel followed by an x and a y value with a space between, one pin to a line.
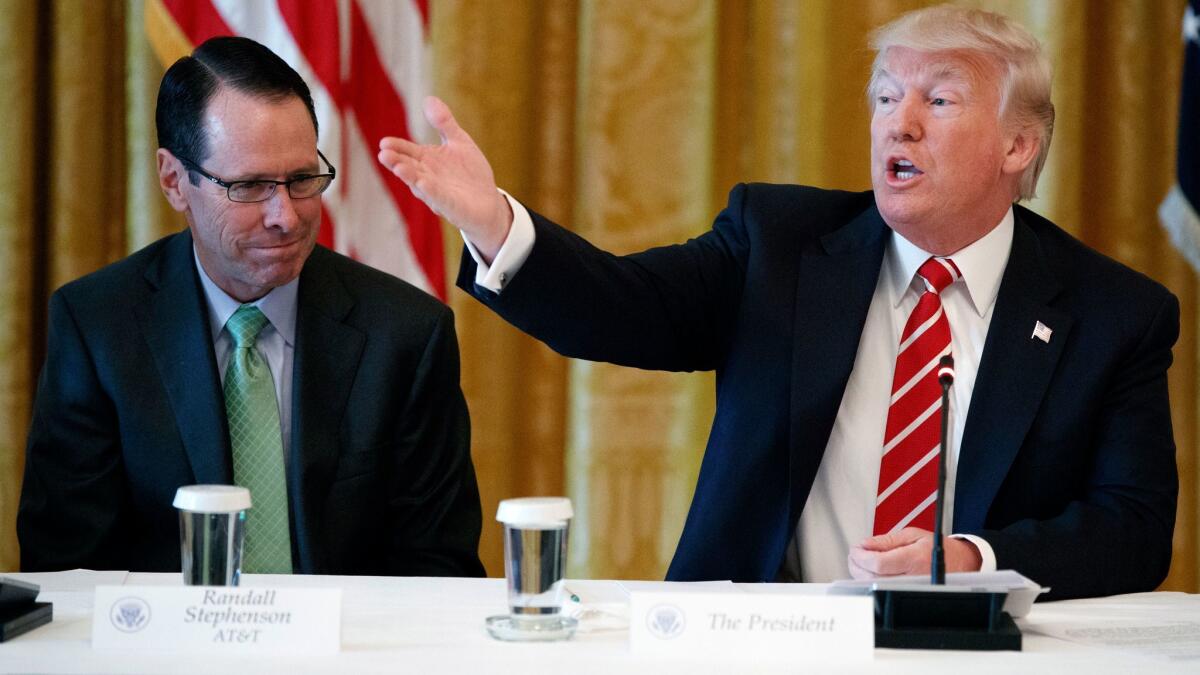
pixel 279 305
pixel 982 264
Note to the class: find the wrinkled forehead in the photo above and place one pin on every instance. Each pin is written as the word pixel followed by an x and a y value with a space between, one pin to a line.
pixel 906 66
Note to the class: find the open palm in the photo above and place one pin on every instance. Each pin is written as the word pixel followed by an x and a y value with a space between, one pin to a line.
pixel 453 178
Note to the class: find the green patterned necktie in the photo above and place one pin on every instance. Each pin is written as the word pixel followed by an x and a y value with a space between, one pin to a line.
pixel 257 446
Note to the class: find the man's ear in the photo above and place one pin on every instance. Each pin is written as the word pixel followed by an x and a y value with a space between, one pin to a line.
pixel 171 175
pixel 1022 151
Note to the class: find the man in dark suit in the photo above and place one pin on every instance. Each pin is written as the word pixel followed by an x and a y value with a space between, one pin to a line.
pixel 825 315
pixel 357 450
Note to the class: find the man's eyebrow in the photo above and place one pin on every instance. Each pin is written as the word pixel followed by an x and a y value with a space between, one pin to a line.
pixel 882 77
pixel 934 72
pixel 306 171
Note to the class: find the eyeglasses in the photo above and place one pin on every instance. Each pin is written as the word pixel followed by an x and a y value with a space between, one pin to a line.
pixel 249 191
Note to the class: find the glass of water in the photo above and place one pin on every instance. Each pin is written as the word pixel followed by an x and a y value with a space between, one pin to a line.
pixel 535 560
pixel 212 532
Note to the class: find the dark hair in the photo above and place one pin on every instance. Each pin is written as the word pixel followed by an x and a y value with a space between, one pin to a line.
pixel 236 62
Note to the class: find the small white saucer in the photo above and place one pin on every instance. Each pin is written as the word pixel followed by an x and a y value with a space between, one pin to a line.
pixel 530 629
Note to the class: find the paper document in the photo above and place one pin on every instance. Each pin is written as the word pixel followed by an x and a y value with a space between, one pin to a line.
pixel 72 581
pixel 1021 590
pixel 598 606
pixel 1170 640
pixel 723 586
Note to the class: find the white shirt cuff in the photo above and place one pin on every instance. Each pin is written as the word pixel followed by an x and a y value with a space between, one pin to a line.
pixel 512 253
pixel 985 551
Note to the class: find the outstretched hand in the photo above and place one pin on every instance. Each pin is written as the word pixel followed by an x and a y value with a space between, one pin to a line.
pixel 908 551
pixel 453 178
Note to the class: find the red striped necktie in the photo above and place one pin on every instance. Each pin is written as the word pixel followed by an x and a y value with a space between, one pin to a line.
pixel 908 470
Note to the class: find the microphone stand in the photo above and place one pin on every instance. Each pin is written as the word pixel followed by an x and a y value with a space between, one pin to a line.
pixel 910 616
pixel 938 555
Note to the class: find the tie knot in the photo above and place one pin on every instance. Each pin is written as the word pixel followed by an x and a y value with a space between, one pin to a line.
pixel 245 325
pixel 938 273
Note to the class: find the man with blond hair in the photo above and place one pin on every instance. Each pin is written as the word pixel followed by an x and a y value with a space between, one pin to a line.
pixel 826 313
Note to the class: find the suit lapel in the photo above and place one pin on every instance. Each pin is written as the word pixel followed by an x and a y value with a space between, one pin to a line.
pixel 326 360
pixel 1014 371
pixel 175 323
pixel 837 279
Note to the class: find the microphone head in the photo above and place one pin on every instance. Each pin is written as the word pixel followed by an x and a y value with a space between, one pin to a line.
pixel 945 373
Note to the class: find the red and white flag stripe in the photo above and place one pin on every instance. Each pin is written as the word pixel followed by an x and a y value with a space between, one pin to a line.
pixel 367 64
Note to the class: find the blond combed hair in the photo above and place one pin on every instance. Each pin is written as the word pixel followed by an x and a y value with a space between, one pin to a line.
pixel 1025 87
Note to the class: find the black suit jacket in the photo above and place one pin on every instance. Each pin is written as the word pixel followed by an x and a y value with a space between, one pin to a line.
pixel 129 408
pixel 1067 462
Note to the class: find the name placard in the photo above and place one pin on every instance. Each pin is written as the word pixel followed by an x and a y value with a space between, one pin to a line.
pixel 208 618
pixel 785 627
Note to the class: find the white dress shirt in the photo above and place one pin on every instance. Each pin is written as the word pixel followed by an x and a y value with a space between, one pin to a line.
pixel 276 342
pixel 512 253
pixel 840 510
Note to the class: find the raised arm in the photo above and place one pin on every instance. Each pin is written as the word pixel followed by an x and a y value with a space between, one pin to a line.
pixel 453 178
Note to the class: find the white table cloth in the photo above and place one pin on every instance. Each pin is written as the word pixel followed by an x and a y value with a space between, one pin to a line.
pixel 436 625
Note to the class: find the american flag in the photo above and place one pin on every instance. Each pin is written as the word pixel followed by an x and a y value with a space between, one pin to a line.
pixel 367 63
pixel 1180 211
pixel 1042 332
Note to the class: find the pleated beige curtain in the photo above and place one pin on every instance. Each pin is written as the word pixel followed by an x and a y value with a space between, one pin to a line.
pixel 74 194
pixel 628 121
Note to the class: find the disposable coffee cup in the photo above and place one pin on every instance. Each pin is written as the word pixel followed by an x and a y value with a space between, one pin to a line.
pixel 535 560
pixel 212 532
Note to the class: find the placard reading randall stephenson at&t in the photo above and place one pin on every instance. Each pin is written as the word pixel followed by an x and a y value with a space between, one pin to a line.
pixel 218 618
pixel 784 627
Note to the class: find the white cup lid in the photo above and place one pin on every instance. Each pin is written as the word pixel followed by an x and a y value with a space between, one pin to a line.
pixel 535 511
pixel 212 498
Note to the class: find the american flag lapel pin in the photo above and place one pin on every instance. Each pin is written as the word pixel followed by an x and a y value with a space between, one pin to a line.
pixel 1042 332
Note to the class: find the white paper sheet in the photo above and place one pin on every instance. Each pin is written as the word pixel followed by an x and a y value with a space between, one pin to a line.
pixel 1021 591
pixel 72 581
pixel 1170 640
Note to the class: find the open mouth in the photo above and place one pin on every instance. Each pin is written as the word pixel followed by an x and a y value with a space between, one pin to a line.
pixel 903 169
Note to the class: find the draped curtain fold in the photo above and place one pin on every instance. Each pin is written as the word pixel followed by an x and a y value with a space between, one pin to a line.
pixel 628 121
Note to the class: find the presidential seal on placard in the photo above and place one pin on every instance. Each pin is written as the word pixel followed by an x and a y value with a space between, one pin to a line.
pixel 130 614
pixel 665 621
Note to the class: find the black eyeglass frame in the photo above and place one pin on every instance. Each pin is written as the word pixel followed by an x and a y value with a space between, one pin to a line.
pixel 287 184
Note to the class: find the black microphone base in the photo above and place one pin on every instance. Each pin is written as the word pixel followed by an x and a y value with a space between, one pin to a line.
pixel 17 620
pixel 944 619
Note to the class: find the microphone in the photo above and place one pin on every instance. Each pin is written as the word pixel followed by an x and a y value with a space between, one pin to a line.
pixel 945 372
pixel 940 616
pixel 937 572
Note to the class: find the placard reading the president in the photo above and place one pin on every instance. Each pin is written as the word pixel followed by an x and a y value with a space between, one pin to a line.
pixel 218 618
pixel 785 627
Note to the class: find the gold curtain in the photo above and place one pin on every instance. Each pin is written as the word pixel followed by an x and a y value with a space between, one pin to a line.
pixel 19 74
pixel 628 121
pixel 75 195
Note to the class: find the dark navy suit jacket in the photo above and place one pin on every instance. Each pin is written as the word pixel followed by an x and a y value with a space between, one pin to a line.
pixel 129 408
pixel 1067 462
